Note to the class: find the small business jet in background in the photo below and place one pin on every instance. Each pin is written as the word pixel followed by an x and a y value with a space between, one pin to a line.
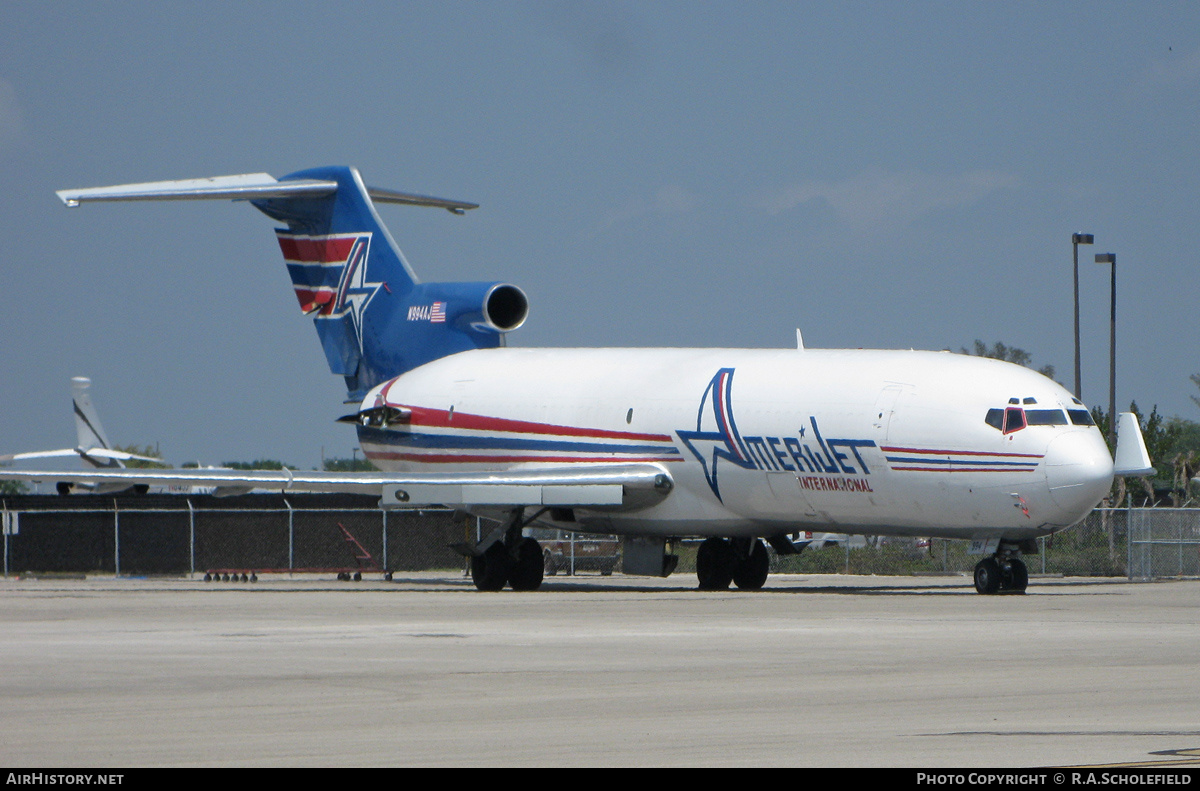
pixel 734 446
pixel 93 448
pixel 95 451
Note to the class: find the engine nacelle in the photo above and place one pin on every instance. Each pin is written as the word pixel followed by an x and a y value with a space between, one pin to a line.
pixel 435 320
pixel 482 307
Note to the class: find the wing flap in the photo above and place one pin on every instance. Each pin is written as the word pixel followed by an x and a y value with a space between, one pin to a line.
pixel 481 494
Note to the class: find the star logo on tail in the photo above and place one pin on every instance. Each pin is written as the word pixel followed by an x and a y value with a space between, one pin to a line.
pixel 354 293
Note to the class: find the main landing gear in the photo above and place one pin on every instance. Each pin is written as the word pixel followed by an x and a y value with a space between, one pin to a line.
pixel 508 558
pixel 1001 573
pixel 742 561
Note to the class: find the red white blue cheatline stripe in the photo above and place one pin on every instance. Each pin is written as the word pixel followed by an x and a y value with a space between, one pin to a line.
pixel 436 436
pixel 941 460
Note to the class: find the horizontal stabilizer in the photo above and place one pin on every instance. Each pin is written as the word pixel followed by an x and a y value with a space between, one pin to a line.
pixel 247 186
pixel 122 455
pixel 1131 459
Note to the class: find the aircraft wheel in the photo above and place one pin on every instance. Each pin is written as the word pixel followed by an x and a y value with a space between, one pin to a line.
pixel 358 576
pixel 987 576
pixel 526 573
pixel 549 567
pixel 1018 576
pixel 714 564
pixel 208 578
pixel 489 571
pixel 751 573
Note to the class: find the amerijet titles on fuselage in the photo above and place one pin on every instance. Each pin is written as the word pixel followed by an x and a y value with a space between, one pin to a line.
pixel 716 437
pixel 735 446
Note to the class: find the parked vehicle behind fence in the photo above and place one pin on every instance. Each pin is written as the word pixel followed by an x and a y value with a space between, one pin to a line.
pixel 568 553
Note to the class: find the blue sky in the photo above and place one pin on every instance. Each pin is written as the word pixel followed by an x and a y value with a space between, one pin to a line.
pixel 886 175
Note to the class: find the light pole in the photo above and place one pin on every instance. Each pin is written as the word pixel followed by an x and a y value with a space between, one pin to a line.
pixel 1076 240
pixel 1111 258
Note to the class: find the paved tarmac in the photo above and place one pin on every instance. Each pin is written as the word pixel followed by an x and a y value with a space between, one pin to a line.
pixel 597 671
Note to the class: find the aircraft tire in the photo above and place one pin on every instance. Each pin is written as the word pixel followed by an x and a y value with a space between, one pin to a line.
pixel 751 573
pixel 526 573
pixel 987 576
pixel 489 571
pixel 714 564
pixel 1018 576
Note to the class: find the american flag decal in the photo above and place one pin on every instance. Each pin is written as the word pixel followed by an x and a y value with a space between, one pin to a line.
pixel 437 313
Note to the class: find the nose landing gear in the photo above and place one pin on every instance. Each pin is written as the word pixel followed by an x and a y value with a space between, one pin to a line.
pixel 1001 573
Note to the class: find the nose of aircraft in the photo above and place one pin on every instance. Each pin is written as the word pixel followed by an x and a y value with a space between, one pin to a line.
pixel 1079 472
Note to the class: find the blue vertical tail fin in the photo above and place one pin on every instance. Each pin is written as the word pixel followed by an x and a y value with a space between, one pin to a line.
pixel 374 317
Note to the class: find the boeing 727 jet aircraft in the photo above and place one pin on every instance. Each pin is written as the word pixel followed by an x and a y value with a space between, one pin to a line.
pixel 736 446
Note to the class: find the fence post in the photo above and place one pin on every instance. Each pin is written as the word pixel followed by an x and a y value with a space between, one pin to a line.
pixel 291 543
pixel 6 531
pixel 191 537
pixel 383 511
pixel 116 539
pixel 1128 546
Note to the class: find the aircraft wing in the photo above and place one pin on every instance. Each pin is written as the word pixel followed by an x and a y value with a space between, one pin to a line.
pixel 84 453
pixel 616 487
pixel 38 454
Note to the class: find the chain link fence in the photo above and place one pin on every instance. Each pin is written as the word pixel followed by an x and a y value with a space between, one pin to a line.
pixel 155 535
pixel 1138 543
pixel 344 534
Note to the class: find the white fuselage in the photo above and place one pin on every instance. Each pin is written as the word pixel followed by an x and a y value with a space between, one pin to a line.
pixel 760 442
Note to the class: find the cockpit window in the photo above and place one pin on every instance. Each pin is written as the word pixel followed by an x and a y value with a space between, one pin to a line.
pixel 1015 418
pixel 1045 417
pixel 1081 417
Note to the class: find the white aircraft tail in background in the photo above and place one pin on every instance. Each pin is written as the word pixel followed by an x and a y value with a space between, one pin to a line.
pixel 93 446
